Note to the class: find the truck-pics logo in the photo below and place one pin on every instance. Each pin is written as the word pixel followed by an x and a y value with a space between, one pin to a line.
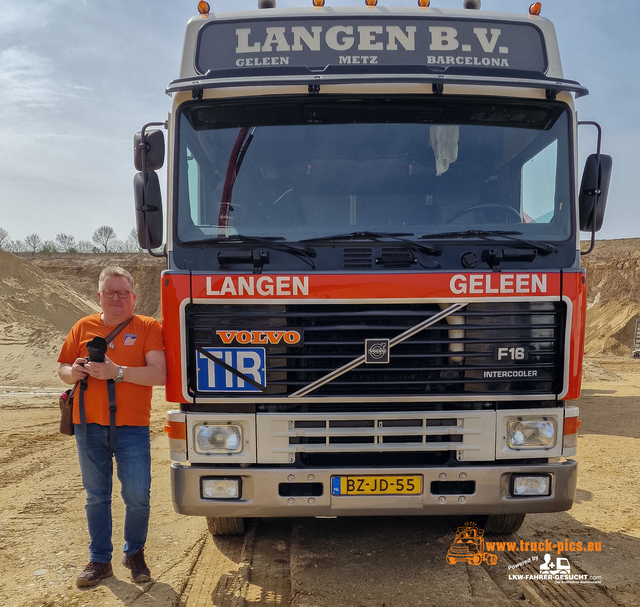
pixel 468 547
pixel 262 338
pixel 556 570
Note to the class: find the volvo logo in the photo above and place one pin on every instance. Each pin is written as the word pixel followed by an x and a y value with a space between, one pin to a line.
pixel 264 338
pixel 376 351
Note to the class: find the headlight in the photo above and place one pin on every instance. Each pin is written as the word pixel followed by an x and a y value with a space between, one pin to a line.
pixel 535 484
pixel 532 433
pixel 221 488
pixel 218 439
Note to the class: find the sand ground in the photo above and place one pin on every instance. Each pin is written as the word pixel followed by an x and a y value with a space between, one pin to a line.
pixel 306 562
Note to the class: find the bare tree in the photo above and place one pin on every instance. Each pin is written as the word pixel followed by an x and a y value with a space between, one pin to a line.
pixel 103 237
pixel 16 246
pixel 5 240
pixel 132 242
pixel 33 243
pixel 65 243
pixel 84 246
pixel 49 246
pixel 119 246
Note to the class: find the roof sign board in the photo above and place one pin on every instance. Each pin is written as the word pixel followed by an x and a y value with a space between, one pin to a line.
pixel 362 43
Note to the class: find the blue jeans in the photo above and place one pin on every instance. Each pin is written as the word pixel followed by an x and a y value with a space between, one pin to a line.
pixel 133 458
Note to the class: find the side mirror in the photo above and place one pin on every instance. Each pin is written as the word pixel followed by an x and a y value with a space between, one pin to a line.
pixel 148 199
pixel 593 191
pixel 153 149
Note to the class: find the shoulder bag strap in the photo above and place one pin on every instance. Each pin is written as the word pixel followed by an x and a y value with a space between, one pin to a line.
pixel 111 389
pixel 109 338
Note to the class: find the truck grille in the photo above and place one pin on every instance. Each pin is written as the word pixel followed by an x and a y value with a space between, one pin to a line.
pixel 320 439
pixel 455 356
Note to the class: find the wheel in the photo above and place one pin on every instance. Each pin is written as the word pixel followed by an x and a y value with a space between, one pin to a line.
pixel 225 525
pixel 500 524
pixel 492 559
pixel 502 207
pixel 477 559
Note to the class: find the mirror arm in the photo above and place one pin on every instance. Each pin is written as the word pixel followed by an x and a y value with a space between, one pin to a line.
pixel 143 149
pixel 153 253
pixel 597 191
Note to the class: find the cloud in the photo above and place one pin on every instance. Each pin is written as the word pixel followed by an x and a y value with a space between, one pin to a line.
pixel 27 15
pixel 25 82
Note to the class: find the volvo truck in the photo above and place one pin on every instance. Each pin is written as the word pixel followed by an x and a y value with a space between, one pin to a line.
pixel 373 302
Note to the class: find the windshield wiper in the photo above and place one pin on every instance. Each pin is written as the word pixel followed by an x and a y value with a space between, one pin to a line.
pixel 380 236
pixel 306 254
pixel 543 248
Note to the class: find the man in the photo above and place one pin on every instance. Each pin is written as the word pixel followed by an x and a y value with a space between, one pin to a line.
pixel 135 360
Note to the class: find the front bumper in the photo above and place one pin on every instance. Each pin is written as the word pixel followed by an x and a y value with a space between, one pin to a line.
pixel 260 494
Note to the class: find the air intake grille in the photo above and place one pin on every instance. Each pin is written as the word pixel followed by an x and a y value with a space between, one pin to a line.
pixel 357 258
pixel 484 349
pixel 396 258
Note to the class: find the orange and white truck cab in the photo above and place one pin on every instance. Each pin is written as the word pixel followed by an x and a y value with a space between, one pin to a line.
pixel 373 301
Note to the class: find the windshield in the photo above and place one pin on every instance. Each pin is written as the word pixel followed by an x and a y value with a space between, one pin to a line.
pixel 311 168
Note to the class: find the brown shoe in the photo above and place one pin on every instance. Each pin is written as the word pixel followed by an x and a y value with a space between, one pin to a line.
pixel 93 573
pixel 139 571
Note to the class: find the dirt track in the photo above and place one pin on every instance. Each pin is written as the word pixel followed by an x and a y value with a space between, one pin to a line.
pixel 307 562
pixel 315 562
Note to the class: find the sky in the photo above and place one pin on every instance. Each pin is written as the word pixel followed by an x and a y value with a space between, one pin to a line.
pixel 78 78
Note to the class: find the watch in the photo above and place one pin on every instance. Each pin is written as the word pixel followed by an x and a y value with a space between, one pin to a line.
pixel 118 378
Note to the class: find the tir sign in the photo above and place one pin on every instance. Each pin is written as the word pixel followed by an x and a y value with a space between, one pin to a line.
pixel 231 370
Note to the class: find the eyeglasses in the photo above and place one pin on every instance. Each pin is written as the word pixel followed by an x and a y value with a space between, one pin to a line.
pixel 121 294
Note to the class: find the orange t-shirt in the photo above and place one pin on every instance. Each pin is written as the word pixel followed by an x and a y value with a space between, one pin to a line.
pixel 141 335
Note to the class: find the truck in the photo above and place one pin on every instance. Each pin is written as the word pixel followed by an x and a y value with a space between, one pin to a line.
pixel 468 547
pixel 373 303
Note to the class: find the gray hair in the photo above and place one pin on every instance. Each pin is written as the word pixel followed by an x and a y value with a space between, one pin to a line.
pixel 115 271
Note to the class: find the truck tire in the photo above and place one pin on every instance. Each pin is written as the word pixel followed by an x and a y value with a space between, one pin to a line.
pixel 501 524
pixel 225 525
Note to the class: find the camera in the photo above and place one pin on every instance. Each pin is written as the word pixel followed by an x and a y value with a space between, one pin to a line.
pixel 96 349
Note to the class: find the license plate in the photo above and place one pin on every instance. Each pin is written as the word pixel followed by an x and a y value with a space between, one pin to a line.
pixel 376 485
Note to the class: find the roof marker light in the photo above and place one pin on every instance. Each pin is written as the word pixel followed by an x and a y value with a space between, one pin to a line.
pixel 266 3
pixel 535 8
pixel 204 8
pixel 371 2
pixel 318 3
pixel 424 3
